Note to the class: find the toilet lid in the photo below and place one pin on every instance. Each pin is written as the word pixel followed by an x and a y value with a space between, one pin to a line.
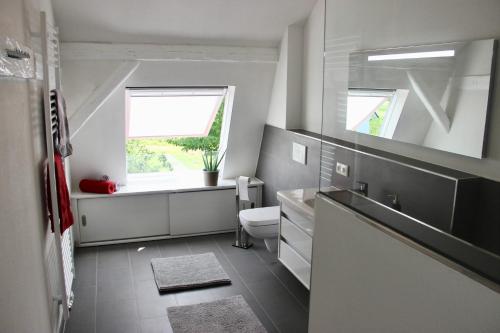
pixel 261 216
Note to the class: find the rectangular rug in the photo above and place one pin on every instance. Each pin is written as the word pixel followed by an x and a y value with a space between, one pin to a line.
pixel 227 315
pixel 188 272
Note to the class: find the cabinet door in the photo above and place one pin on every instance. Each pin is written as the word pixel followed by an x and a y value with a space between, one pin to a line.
pixel 124 217
pixel 204 211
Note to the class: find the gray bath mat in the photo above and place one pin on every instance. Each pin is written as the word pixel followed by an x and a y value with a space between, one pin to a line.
pixel 227 315
pixel 187 272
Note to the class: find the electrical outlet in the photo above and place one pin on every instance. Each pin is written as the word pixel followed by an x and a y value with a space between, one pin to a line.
pixel 342 169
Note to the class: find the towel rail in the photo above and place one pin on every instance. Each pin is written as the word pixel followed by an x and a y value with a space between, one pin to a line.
pixel 63 269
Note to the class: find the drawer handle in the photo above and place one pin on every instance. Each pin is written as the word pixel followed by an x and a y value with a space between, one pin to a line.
pixel 84 220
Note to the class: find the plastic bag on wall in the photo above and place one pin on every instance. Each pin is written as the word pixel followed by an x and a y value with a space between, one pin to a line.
pixel 16 60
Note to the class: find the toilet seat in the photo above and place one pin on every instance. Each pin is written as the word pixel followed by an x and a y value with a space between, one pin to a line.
pixel 262 223
pixel 259 217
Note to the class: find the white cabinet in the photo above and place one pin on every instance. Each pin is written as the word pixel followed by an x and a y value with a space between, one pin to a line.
pixel 124 217
pixel 295 244
pixel 107 219
pixel 298 239
pixel 367 278
pixel 204 211
pixel 295 263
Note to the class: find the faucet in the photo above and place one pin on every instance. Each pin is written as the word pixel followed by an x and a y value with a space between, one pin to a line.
pixel 395 204
pixel 362 189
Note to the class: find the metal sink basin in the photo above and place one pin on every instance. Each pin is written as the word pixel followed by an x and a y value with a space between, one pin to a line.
pixel 445 243
pixel 310 202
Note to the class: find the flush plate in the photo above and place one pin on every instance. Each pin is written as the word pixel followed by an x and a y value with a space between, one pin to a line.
pixel 299 153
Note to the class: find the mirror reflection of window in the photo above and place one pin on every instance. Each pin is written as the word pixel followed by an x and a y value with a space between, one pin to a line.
pixel 375 111
pixel 438 86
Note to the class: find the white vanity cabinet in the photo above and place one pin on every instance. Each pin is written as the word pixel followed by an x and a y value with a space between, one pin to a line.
pixel 108 219
pixel 295 236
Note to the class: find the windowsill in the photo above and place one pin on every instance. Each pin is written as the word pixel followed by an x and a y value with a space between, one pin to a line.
pixel 190 181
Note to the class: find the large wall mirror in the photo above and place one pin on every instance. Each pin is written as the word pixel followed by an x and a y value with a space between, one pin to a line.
pixel 435 96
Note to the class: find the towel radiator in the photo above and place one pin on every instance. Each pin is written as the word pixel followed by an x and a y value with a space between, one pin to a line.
pixel 60 264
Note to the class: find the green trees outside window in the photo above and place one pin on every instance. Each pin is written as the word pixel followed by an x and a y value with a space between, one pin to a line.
pixel 148 155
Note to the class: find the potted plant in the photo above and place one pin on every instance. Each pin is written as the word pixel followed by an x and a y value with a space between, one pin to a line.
pixel 211 161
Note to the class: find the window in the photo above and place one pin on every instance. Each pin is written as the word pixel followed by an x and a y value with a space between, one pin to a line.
pixel 167 128
pixel 375 112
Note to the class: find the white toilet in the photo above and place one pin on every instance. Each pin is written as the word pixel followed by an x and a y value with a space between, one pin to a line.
pixel 262 223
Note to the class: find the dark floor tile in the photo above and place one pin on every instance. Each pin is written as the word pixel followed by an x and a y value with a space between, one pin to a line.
pixel 282 273
pixel 173 247
pixel 153 308
pixel 150 302
pixel 118 325
pixel 279 304
pixel 202 244
pixel 264 318
pixel 156 325
pixel 261 251
pixel 293 324
pixel 77 326
pixel 291 283
pixel 250 267
pixel 113 256
pixel 144 251
pixel 125 298
pixel 195 296
pixel 85 266
pixel 225 242
pixel 140 259
pixel 114 284
pixel 146 289
pixel 111 274
pixel 107 310
pixel 233 289
pixel 84 304
pixel 83 310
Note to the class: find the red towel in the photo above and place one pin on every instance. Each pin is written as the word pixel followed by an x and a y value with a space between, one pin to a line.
pixel 97 186
pixel 65 214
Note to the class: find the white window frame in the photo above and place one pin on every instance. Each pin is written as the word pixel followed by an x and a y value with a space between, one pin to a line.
pixel 398 99
pixel 228 93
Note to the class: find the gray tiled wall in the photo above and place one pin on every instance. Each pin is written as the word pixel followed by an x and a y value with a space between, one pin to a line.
pixel 422 195
pixel 276 167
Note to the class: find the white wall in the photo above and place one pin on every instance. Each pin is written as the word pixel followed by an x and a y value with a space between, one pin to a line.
pixel 99 147
pixel 312 89
pixel 360 25
pixel 24 300
pixel 285 107
pixel 276 115
pixel 294 75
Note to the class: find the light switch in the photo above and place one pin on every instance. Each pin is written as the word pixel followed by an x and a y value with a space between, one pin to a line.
pixel 299 153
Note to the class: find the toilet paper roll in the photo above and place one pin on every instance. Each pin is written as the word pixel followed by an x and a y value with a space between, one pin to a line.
pixel 242 187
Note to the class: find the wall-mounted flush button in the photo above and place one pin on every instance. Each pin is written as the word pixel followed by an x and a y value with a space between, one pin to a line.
pixel 299 153
pixel 342 169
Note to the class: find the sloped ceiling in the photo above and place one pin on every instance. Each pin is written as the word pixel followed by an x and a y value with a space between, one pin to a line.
pixel 214 22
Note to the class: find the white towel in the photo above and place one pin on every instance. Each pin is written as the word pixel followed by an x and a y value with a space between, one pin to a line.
pixel 242 187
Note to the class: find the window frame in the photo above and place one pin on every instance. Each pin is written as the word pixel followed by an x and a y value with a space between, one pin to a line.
pixel 227 99
pixel 397 98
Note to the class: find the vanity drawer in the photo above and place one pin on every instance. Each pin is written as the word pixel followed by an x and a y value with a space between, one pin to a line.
pixel 296 238
pixel 295 263
pixel 305 223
